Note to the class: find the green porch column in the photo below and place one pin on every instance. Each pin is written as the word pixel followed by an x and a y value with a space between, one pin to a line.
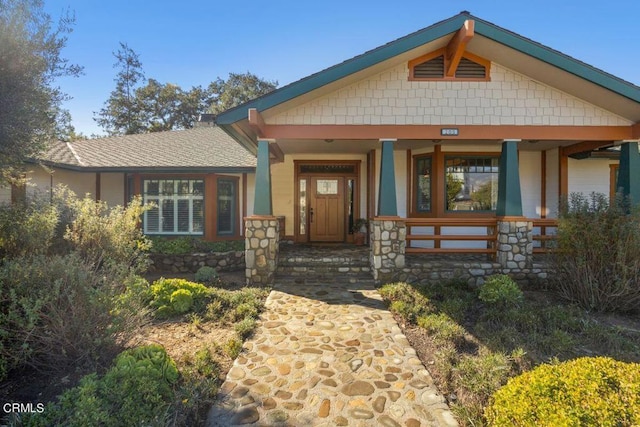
pixel 262 201
pixel 629 172
pixel 387 201
pixel 509 196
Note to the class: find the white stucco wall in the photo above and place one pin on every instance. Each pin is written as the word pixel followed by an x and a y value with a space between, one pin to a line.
pixel 41 181
pixel 112 188
pixel 531 183
pixel 589 175
pixel 553 182
pixel 389 97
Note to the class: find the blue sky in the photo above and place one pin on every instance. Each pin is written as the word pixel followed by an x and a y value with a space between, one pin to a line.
pixel 193 42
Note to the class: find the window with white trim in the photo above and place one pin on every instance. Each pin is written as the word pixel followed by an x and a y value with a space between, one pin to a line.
pixel 178 206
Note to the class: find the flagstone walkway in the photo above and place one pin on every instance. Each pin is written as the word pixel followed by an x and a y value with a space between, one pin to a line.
pixel 328 354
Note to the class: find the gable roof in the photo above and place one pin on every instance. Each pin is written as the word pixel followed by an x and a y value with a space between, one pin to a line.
pixel 514 43
pixel 202 149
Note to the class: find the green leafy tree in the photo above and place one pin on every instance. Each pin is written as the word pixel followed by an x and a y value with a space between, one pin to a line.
pixel 167 106
pixel 30 62
pixel 236 90
pixel 120 114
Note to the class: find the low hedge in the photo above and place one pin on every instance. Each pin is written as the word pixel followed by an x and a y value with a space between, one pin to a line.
pixel 586 391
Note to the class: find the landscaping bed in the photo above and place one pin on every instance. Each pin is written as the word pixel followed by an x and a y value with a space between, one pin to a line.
pixel 473 347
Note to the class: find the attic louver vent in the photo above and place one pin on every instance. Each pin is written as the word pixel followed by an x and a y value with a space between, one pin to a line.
pixel 432 69
pixel 467 69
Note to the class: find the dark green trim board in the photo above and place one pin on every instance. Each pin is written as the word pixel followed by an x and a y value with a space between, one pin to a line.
pixel 629 172
pixel 387 201
pixel 419 38
pixel 262 202
pixel 509 195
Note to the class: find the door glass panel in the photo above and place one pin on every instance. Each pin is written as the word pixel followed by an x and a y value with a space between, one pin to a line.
pixel 327 186
pixel 303 206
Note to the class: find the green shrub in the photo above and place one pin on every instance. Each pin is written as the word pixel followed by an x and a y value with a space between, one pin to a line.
pixel 27 228
pixel 500 290
pixel 598 261
pixel 232 347
pixel 181 301
pixel 104 236
pixel 56 311
pixel 244 327
pixel 232 306
pixel 441 327
pixel 137 390
pixel 587 391
pixel 173 246
pixel 406 300
pixel 206 274
pixel 186 245
pixel 177 296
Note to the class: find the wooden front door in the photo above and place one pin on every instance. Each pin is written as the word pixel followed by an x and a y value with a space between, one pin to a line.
pixel 326 214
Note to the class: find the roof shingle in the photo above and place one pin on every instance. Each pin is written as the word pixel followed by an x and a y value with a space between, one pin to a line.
pixel 206 147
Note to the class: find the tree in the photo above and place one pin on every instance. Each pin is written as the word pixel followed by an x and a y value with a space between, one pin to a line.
pixel 120 114
pixel 30 62
pixel 168 107
pixel 236 90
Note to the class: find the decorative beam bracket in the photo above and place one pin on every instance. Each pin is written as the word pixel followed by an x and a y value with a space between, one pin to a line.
pixel 457 45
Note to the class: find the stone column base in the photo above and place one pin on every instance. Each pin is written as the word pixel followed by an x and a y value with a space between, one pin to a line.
pixel 387 247
pixel 262 238
pixel 515 243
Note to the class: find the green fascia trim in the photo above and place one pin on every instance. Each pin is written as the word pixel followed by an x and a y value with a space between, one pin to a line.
pixel 262 201
pixel 629 172
pixel 557 59
pixel 241 139
pixel 345 68
pixel 387 200
pixel 426 35
pixel 509 195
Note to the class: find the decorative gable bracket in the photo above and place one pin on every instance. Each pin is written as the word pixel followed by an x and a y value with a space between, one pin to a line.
pixel 452 62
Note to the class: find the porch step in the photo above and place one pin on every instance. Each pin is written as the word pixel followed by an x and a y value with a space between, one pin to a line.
pixel 324 263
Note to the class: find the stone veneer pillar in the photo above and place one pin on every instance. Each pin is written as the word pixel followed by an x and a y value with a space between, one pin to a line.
pixel 262 239
pixel 388 242
pixel 515 243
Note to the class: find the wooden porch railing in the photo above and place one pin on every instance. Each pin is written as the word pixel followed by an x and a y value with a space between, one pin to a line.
pixel 489 224
pixel 490 234
pixel 544 237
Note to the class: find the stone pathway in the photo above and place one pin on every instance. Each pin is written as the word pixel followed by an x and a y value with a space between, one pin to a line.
pixel 327 355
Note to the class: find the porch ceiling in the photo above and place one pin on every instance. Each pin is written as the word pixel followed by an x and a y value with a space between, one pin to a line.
pixel 319 146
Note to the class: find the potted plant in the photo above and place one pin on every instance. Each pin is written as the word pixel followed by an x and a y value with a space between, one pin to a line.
pixel 360 231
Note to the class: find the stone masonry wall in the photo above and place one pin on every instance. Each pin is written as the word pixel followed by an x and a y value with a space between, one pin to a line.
pixel 261 249
pixel 515 244
pixel 190 263
pixel 388 242
pixel 425 272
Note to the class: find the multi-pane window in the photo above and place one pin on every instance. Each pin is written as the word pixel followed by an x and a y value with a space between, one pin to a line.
pixel 178 206
pixel 471 183
pixel 423 184
pixel 226 207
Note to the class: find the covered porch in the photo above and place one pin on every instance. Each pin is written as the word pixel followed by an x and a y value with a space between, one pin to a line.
pixel 386 185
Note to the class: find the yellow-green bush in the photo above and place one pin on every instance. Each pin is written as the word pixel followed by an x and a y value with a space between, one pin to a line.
pixel 177 296
pixel 586 391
